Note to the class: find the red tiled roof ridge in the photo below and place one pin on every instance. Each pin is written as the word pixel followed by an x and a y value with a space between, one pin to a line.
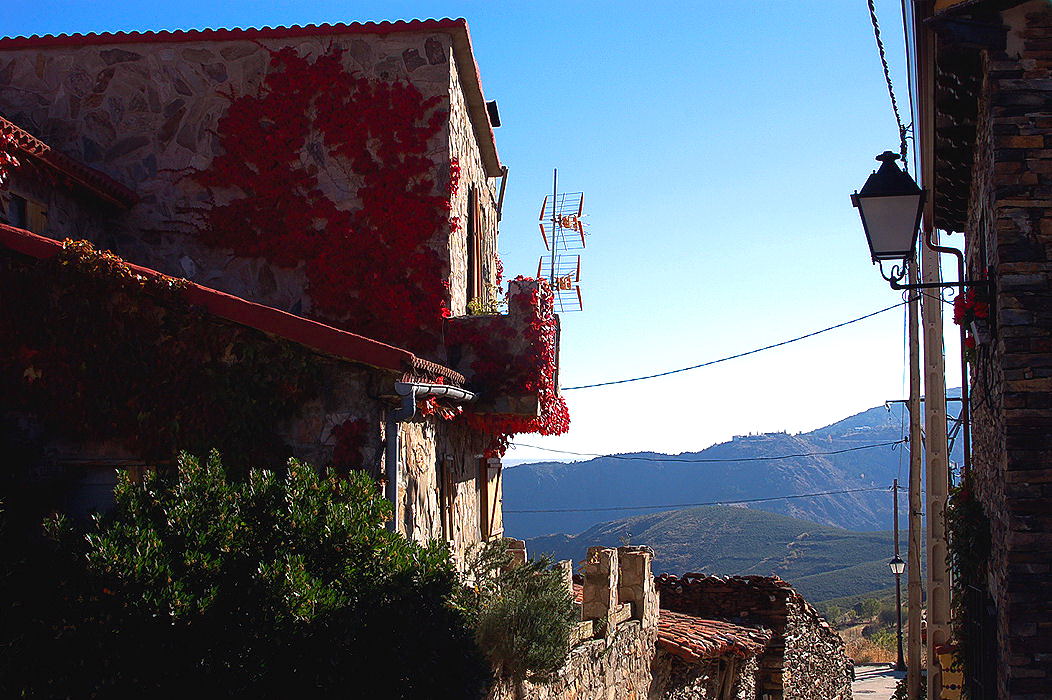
pixel 303 331
pixel 219 33
pixel 471 81
pixel 94 180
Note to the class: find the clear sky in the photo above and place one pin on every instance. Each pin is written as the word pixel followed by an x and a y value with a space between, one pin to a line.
pixel 717 143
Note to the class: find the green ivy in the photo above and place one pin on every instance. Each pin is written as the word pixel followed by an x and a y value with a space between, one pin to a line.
pixel 968 555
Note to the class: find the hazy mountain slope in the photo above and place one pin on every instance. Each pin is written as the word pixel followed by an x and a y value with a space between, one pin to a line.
pixel 821 561
pixel 606 482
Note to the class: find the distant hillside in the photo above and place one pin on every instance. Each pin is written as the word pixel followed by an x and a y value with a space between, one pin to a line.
pixel 607 482
pixel 821 562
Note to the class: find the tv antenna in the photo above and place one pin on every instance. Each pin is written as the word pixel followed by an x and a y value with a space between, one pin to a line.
pixel 563 231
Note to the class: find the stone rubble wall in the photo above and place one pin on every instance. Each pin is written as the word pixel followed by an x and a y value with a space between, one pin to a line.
pixel 1010 230
pixel 805 658
pixel 675 679
pixel 145 113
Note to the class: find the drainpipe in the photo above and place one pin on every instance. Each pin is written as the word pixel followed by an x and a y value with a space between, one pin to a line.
pixel 411 392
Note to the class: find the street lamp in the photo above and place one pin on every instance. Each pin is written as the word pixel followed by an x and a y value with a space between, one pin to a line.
pixel 897 567
pixel 890 204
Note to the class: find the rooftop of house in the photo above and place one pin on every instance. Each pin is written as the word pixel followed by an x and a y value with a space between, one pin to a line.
pixel 695 639
pixel 463 53
pixel 322 338
pixel 95 181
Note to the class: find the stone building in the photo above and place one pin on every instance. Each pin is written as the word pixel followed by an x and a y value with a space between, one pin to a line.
pixel 991 156
pixel 697 637
pixel 803 657
pixel 306 213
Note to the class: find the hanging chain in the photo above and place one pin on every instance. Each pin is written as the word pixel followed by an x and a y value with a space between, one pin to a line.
pixel 887 79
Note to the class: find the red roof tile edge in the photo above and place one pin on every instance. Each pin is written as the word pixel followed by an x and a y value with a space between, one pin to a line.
pixel 694 639
pixel 325 339
pixel 465 57
pixel 94 180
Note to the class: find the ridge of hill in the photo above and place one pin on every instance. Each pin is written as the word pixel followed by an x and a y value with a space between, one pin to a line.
pixel 820 561
pixel 625 486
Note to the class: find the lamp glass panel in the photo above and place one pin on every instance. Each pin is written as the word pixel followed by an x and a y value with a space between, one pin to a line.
pixel 897 566
pixel 891 223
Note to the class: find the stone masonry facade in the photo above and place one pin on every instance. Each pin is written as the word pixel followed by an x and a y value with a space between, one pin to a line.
pixel 147 113
pixel 1010 234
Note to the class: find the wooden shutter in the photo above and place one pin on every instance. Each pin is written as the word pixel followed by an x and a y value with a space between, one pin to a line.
pixel 491 498
pixel 476 287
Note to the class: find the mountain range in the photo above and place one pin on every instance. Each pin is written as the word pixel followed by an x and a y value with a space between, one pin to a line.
pixel 838 457
pixel 821 562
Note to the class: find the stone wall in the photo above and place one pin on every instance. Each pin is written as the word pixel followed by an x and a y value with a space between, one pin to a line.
pixel 463 147
pixel 677 680
pixel 615 644
pixel 1010 231
pixel 433 448
pixel 805 658
pixel 146 114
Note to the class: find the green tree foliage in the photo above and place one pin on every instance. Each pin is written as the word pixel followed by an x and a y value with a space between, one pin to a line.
pixel 272 586
pixel 869 608
pixel 523 615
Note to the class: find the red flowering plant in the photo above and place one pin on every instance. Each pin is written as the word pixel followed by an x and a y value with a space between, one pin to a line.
pixel 8 161
pixel 972 312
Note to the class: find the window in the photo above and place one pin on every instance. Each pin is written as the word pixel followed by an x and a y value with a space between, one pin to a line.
pixel 27 214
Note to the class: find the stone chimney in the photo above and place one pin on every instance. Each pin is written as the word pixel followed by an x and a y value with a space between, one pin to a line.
pixel 636 583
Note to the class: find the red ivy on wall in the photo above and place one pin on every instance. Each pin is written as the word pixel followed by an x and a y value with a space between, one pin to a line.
pixel 315 136
pixel 289 153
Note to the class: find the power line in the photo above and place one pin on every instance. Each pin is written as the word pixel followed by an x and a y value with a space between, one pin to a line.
pixel 734 357
pixel 691 505
pixel 887 79
pixel 708 460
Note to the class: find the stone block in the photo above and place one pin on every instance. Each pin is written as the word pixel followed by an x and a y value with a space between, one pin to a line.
pixel 601 573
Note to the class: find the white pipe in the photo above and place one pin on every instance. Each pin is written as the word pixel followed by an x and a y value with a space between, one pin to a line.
pixel 410 393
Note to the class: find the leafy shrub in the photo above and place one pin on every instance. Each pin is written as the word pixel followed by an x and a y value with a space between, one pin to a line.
pixel 272 586
pixel 523 615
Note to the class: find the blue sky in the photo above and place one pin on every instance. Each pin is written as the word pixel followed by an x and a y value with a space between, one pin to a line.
pixel 717 144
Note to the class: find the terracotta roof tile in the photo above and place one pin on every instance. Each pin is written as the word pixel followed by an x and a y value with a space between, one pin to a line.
pixel 323 338
pixel 693 639
pixel 95 181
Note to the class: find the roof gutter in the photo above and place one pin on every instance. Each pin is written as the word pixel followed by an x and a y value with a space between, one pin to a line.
pixel 411 392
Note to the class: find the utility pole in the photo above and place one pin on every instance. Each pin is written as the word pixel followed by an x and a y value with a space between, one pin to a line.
pixel 900 664
pixel 913 549
pixel 936 462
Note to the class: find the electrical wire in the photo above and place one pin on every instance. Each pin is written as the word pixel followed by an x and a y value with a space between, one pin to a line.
pixel 887 79
pixel 692 505
pixel 707 460
pixel 733 357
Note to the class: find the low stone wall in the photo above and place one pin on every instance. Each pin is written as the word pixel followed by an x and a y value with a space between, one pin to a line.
pixel 615 646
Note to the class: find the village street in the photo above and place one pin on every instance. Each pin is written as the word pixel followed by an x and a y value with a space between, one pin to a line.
pixel 874 682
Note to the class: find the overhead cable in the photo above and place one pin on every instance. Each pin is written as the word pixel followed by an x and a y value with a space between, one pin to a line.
pixel 692 505
pixel 734 357
pixel 708 460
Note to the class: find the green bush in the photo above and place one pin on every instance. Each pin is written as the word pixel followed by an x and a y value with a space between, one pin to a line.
pixel 272 586
pixel 523 615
